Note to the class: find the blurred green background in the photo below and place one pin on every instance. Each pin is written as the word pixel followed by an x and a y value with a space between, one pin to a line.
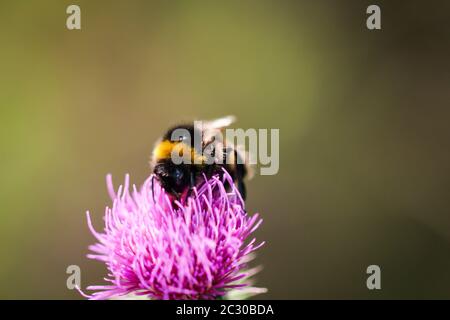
pixel 363 116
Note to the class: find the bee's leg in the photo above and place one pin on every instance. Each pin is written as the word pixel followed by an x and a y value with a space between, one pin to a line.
pixel 241 186
pixel 241 171
pixel 191 183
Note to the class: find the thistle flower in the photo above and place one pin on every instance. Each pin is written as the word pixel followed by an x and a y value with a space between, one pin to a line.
pixel 160 249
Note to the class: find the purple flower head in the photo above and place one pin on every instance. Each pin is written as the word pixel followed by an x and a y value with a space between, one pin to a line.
pixel 161 249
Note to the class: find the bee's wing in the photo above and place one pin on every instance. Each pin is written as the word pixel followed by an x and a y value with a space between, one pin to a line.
pixel 219 123
pixel 212 127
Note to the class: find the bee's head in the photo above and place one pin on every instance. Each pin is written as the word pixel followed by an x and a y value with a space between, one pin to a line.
pixel 181 133
pixel 179 142
pixel 173 178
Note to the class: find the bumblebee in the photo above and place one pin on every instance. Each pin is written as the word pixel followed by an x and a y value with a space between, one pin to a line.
pixel 199 154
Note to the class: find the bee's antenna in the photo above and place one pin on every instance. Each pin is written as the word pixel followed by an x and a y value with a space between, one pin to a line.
pixel 153 189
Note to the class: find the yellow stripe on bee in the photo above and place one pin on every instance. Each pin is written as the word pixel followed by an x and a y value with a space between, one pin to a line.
pixel 165 148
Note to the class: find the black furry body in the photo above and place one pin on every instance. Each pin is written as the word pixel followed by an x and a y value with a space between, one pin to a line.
pixel 180 179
